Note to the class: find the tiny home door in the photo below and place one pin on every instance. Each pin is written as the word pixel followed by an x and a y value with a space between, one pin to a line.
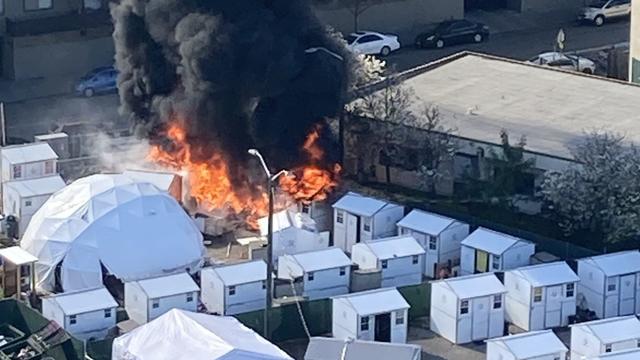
pixel 352 230
pixel 627 294
pixel 553 304
pixel 482 262
pixel 480 319
pixel 383 327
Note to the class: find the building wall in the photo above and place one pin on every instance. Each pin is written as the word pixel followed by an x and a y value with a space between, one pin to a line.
pixel 517 256
pixel 467 260
pixel 326 283
pixel 401 271
pixel 571 6
pixel 212 291
pixel 91 324
pixel 31 170
pixel 345 322
pixel 248 297
pixel 591 288
pixel 15 10
pixel 496 351
pixel 634 54
pixel 583 343
pixel 468 323
pixel 364 258
pixel 450 240
pixel 518 300
pixel 444 312
pixel 135 303
pixel 384 222
pixel 177 301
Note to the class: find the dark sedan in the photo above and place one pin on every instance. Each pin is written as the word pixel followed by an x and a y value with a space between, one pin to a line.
pixel 453 32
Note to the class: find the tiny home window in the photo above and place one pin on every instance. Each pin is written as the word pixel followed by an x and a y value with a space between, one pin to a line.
pixel 310 276
pixel 433 243
pixel 189 297
pixel 367 224
pixel 496 262
pixel 497 301
pixel 364 323
pixel 415 259
pixel 72 320
pixel 607 348
pixel 27 203
pixel 384 264
pixel 155 304
pixel 343 271
pixel 232 290
pixel 638 343
pixel 306 209
pixel 570 290
pixel 399 317
pixel 537 294
pixel 17 171
pixel 264 284
pixel 48 167
pixel 611 284
pixel 340 217
pixel 464 307
pixel 107 313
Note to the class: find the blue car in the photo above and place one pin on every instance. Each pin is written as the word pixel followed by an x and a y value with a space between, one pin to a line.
pixel 98 81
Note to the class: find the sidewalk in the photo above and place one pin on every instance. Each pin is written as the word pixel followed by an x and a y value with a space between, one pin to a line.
pixel 502 21
pixel 12 91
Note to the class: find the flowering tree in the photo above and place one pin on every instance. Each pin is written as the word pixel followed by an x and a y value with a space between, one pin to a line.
pixel 601 194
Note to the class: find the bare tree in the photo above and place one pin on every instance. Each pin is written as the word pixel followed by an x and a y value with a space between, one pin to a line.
pixel 357 8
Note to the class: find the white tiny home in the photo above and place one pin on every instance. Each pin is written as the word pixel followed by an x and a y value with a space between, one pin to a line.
pixel 400 259
pixel 166 181
pixel 541 296
pixel 489 251
pixel 468 308
pixel 593 338
pixel 28 161
pixel 234 289
pixel 610 284
pixel 440 237
pixel 324 273
pixel 358 218
pixel 323 348
pixel 17 272
pixel 145 300
pixel 376 315
pixel 86 314
pixel 536 345
pixel 22 198
pixel 632 354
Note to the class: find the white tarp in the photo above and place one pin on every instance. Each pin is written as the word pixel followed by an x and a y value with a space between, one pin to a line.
pixel 184 335
pixel 132 228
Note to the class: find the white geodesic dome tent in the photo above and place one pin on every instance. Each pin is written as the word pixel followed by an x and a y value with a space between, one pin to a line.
pixel 131 228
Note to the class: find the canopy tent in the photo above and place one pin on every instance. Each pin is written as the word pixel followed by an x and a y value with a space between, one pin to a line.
pixel 182 335
pixel 131 228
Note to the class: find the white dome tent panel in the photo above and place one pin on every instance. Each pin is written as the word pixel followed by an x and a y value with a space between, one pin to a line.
pixel 131 227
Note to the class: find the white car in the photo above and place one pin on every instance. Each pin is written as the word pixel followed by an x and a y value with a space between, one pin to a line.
pixel 372 43
pixel 598 11
pixel 565 61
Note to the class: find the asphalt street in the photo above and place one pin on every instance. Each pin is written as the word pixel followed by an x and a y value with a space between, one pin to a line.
pixel 31 117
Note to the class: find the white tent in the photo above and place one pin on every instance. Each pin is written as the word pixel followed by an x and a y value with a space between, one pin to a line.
pixel 182 335
pixel 131 228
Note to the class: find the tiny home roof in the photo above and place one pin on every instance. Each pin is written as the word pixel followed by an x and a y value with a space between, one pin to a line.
pixel 28 153
pixel 168 285
pixel 286 219
pixel 321 259
pixel 37 187
pixel 57 135
pixel 375 301
pixel 531 345
pixel 17 256
pixel 618 263
pixel 629 354
pixel 80 302
pixel 241 273
pixel 491 241
pixel 473 286
pixel 394 247
pixel 613 329
pixel 360 205
pixel 161 180
pixel 547 274
pixel 322 348
pixel 426 222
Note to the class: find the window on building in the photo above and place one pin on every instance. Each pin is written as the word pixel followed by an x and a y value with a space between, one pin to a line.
pixel 415 259
pixel 367 224
pixel 264 284
pixel 497 301
pixel 556 358
pixel 72 319
pixel 496 262
pixel 107 313
pixel 399 317
pixel 383 264
pixel 310 276
pixel 464 307
pixel 340 217
pixel 190 297
pixel 433 243
pixel 611 284
pixel 1 7
pixel 17 171
pixel 27 203
pixel 343 271
pixel 232 290
pixel 33 5
pixel 306 209
pixel 570 290
pixel 404 231
pixel 537 294
pixel 155 304
pixel 607 348
pixel 638 343
pixel 48 167
pixel 364 323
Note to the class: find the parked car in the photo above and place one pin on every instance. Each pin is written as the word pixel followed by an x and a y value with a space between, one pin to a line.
pixel 98 80
pixel 565 61
pixel 599 11
pixel 372 43
pixel 453 32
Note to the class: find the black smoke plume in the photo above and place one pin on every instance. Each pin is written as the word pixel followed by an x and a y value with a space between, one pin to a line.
pixel 237 73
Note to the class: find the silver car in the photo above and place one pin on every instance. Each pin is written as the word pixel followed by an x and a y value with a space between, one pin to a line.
pixel 599 11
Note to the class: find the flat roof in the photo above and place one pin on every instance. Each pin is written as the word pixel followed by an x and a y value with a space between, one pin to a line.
pixel 491 241
pixel 623 262
pixel 322 259
pixel 426 222
pixel 532 344
pixel 17 256
pixel 613 329
pixel 168 285
pixel 58 135
pixel 240 273
pixel 393 247
pixel 160 179
pixel 629 354
pixel 480 95
pixel 27 153
pixel 376 301
pixel 554 273
pixel 80 302
pixel 322 348
pixel 359 205
pixel 473 286
pixel 37 187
